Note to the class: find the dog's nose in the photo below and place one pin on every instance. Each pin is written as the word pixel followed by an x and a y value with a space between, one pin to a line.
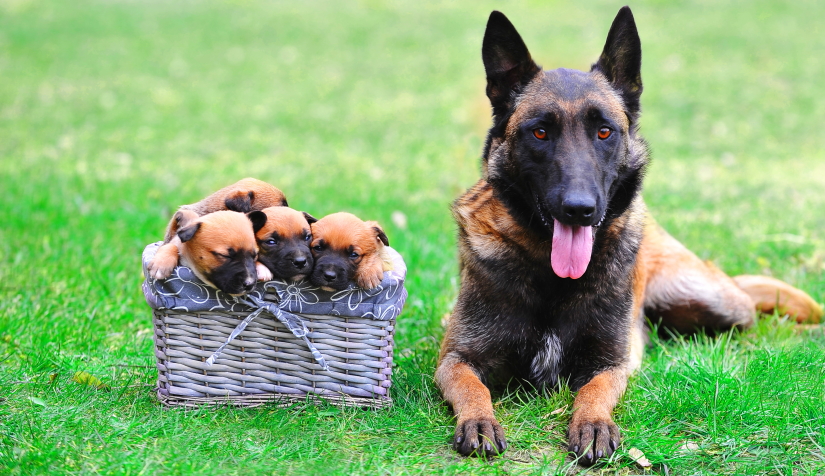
pixel 300 262
pixel 330 275
pixel 579 208
pixel 249 283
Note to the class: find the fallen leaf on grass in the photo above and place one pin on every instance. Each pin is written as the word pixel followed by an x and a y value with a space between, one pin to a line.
pixel 85 378
pixel 37 401
pixel 558 410
pixel 689 446
pixel 639 457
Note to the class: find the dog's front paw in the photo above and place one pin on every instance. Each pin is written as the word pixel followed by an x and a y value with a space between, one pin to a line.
pixel 164 262
pixel 370 281
pixel 479 437
pixel 264 274
pixel 591 439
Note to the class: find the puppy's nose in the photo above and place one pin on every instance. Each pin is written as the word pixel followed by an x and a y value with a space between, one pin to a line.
pixel 249 283
pixel 579 208
pixel 330 275
pixel 300 262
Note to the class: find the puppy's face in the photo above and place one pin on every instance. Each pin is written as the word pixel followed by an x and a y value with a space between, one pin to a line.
pixel 283 243
pixel 220 249
pixel 347 249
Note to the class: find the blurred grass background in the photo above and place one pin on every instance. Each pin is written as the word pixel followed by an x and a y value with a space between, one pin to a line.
pixel 113 113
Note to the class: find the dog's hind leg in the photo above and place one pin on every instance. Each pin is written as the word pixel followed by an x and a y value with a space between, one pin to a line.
pixel 685 292
pixel 769 294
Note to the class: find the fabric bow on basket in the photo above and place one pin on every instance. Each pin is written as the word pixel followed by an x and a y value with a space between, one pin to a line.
pixel 292 322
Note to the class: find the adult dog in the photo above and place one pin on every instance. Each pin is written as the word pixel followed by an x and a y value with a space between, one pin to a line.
pixel 560 261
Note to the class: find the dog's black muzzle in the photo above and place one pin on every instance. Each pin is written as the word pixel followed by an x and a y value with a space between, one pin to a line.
pixel 331 273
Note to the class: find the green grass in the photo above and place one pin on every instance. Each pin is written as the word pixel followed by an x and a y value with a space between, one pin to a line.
pixel 112 113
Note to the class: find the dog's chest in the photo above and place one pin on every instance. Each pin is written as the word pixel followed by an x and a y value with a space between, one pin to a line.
pixel 544 359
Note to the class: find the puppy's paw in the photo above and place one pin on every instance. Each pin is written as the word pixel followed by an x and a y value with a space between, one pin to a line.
pixel 164 262
pixel 264 274
pixel 591 439
pixel 370 280
pixel 479 437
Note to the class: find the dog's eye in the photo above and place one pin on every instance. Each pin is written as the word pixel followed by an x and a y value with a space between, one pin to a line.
pixel 308 238
pixel 318 248
pixel 353 255
pixel 540 133
pixel 271 242
pixel 604 133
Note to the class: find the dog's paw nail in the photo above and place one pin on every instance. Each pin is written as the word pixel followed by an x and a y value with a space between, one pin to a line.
pixel 599 454
pixel 459 439
pixel 589 456
pixel 475 445
pixel 613 445
pixel 576 449
pixel 488 447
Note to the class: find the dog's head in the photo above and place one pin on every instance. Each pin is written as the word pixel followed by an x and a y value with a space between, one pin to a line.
pixel 347 249
pixel 220 249
pixel 283 243
pixel 563 153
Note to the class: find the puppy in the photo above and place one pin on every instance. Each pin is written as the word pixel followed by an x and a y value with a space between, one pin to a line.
pixel 283 244
pixel 219 247
pixel 348 249
pixel 245 195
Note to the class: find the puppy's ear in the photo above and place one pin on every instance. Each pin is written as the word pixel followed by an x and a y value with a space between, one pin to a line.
pixel 379 233
pixel 240 201
pixel 186 233
pixel 310 219
pixel 183 218
pixel 284 202
pixel 258 219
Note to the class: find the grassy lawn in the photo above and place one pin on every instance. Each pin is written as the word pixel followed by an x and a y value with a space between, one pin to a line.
pixel 113 113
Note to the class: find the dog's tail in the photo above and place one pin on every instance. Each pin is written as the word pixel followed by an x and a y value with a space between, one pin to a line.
pixel 769 295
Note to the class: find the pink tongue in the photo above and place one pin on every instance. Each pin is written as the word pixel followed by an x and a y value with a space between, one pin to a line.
pixel 572 246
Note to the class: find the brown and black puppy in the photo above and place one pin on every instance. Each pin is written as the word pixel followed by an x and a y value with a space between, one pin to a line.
pixel 347 249
pixel 220 248
pixel 245 195
pixel 283 244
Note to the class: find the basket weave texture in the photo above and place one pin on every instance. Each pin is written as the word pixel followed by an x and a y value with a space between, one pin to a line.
pixel 283 342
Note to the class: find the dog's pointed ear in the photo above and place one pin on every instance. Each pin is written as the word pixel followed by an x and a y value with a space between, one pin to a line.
pixel 258 219
pixel 621 59
pixel 507 62
pixel 186 233
pixel 310 219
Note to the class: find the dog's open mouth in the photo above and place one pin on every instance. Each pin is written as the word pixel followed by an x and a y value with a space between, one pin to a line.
pixel 572 246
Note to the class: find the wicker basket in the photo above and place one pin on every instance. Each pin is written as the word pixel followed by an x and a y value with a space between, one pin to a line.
pixel 282 343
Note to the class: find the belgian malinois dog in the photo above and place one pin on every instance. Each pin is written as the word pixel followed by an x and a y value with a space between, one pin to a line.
pixel 560 260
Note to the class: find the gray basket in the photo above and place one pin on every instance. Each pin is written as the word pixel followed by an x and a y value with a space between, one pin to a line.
pixel 282 343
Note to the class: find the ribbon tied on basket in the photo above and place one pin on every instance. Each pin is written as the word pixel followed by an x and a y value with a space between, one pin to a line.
pixel 292 322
